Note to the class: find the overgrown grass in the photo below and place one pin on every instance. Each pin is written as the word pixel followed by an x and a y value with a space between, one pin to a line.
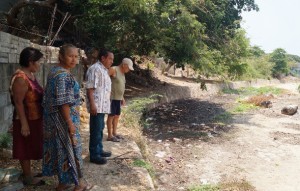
pixel 242 108
pixel 223 117
pixel 132 119
pixel 145 165
pixel 204 188
pixel 5 140
pixel 253 91
pixel 234 185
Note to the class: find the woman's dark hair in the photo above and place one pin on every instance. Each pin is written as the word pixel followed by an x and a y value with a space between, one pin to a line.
pixel 29 54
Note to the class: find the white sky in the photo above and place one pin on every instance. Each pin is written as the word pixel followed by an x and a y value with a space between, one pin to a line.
pixel 276 25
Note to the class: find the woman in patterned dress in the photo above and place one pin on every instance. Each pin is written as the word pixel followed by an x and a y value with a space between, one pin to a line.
pixel 62 143
pixel 26 96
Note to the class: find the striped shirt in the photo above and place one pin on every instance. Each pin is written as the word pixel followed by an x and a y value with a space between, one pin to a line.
pixel 98 79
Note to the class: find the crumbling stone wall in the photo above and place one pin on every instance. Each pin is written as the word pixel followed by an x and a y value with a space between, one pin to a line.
pixel 10 48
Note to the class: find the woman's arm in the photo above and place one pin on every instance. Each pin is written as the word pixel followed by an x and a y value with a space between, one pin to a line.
pixel 19 90
pixel 65 111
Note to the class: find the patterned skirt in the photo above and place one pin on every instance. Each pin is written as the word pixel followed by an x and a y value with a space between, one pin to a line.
pixel 56 160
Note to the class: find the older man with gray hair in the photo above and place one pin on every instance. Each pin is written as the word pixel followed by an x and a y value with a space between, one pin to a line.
pixel 117 74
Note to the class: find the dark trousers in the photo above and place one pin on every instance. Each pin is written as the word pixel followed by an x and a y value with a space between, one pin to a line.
pixel 96 135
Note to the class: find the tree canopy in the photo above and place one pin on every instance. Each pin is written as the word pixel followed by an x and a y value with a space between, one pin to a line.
pixel 203 33
pixel 279 57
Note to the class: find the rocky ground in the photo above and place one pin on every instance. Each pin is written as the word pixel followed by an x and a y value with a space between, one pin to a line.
pixel 260 147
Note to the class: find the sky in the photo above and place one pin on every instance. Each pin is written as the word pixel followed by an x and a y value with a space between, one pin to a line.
pixel 276 25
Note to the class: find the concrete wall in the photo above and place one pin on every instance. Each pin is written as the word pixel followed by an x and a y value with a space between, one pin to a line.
pixel 10 48
pixel 193 90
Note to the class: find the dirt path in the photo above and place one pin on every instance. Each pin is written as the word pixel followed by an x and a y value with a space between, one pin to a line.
pixel 261 148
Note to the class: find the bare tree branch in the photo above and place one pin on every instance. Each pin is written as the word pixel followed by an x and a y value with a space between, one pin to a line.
pixel 12 15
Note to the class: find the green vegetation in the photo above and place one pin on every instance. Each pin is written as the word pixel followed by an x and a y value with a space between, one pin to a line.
pixel 146 165
pixel 136 108
pixel 258 64
pixel 204 188
pixel 257 68
pixel 242 185
pixel 5 140
pixel 207 35
pixel 253 91
pixel 200 33
pixel 223 117
pixel 242 108
pixel 132 119
pixel 279 57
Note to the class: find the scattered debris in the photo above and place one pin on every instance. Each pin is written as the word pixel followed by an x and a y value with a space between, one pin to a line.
pixel 210 135
pixel 289 110
pixel 169 160
pixel 176 140
pixel 160 154
pixel 266 104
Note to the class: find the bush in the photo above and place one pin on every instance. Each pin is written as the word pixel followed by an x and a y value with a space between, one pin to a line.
pixel 131 119
pixel 258 68
pixel 5 140
pixel 145 165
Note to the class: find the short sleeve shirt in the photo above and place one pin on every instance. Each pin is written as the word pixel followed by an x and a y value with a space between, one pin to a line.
pixel 98 79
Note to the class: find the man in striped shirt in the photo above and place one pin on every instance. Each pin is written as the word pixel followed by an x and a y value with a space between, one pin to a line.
pixel 98 86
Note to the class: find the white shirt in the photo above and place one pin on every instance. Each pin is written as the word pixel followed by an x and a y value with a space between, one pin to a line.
pixel 98 79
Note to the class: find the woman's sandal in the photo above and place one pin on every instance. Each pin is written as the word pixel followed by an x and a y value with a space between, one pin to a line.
pixel 65 187
pixel 32 181
pixel 83 188
pixel 113 139
pixel 119 136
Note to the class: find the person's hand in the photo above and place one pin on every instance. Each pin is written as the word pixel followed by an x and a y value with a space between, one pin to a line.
pixel 25 131
pixel 93 110
pixel 123 102
pixel 72 131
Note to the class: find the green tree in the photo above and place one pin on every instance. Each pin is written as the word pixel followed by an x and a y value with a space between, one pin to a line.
pixel 256 51
pixel 280 60
pixel 127 27
pixel 181 33
pixel 258 68
pixel 205 34
pixel 293 58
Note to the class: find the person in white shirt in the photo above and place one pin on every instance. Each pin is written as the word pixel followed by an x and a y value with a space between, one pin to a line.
pixel 98 86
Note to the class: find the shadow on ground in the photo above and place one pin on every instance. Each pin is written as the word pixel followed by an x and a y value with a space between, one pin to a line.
pixel 184 119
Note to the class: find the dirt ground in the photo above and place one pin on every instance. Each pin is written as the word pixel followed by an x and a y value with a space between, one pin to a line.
pixel 260 147
pixel 187 147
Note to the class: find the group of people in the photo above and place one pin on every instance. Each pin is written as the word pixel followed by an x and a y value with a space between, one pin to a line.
pixel 46 122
